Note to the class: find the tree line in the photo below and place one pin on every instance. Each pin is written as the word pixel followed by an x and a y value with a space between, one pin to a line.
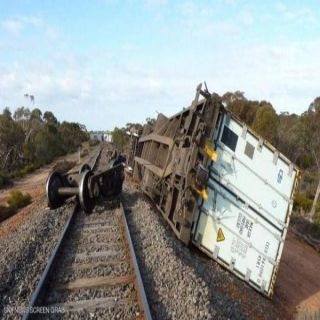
pixel 30 138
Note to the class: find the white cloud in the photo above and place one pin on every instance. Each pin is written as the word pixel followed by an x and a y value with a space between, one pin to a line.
pixel 299 15
pixel 281 6
pixel 200 22
pixel 11 25
pixel 302 15
pixel 102 87
pixel 30 20
pixel 16 24
pixel 246 18
pixel 155 3
pixel 285 75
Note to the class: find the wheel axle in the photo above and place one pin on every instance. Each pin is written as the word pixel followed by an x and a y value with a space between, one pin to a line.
pixel 85 185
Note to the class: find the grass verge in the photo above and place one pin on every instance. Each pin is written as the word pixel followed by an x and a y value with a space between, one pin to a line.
pixel 15 201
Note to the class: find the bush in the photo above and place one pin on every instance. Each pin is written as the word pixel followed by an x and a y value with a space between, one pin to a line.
pixel 6 212
pixel 93 142
pixel 316 218
pixel 315 229
pixel 18 200
pixel 24 171
pixel 64 166
pixel 3 179
pixel 84 153
pixel 310 177
pixel 302 202
pixel 15 201
pixel 306 227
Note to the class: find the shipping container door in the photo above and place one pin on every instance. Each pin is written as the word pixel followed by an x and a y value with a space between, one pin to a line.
pixel 243 223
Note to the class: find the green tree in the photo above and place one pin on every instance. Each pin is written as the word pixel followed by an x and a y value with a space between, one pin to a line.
pixel 290 140
pixel 49 117
pixel 11 141
pixel 119 138
pixel 244 109
pixel 27 140
pixel 315 105
pixel 47 144
pixel 266 122
pixel 71 135
pixel 312 117
pixel 36 114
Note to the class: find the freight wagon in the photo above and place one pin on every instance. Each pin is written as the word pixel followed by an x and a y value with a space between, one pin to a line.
pixel 220 186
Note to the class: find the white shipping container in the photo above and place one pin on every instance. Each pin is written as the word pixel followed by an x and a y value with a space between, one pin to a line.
pixel 244 221
pixel 107 137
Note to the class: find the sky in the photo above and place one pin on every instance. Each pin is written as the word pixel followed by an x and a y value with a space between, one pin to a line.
pixel 104 63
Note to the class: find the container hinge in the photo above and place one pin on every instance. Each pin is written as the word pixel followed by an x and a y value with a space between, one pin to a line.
pixel 282 224
pixel 216 252
pixel 275 157
pixel 244 132
pixel 203 194
pixel 199 238
pixel 232 263
pixel 278 237
pixel 202 176
pixel 205 211
pixel 260 144
pixel 211 153
pixel 263 285
pixel 248 274
pixel 228 118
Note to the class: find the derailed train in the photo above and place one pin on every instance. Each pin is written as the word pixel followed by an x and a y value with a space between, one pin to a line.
pixel 220 187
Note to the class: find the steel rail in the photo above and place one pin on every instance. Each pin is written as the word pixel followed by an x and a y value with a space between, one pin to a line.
pixel 44 277
pixel 141 292
pixel 94 163
pixel 93 167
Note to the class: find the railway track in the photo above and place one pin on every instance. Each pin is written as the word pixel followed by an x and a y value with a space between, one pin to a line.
pixel 93 272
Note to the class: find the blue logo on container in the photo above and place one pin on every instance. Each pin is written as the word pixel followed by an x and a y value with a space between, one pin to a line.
pixel 280 176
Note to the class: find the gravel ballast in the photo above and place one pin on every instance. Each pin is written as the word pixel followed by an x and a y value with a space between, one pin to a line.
pixel 26 245
pixel 180 281
pixel 24 255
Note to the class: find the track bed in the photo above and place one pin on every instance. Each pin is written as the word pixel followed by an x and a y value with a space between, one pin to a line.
pixel 93 274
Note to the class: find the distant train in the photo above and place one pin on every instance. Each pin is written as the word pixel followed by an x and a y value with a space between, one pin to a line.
pixel 101 136
pixel 219 186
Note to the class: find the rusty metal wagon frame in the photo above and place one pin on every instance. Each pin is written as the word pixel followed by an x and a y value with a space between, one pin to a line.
pixel 171 158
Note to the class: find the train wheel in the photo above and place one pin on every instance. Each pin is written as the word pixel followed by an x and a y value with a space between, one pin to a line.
pixel 54 182
pixel 86 201
pixel 84 167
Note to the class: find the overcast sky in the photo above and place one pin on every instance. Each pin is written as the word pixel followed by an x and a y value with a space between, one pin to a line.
pixel 104 63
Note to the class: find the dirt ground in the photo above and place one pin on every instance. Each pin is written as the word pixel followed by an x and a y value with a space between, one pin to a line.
pixel 298 281
pixel 34 183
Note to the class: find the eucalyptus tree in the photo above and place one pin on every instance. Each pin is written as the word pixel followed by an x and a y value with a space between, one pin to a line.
pixel 11 141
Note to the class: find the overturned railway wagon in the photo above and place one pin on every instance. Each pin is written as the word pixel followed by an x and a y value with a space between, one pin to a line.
pixel 220 186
